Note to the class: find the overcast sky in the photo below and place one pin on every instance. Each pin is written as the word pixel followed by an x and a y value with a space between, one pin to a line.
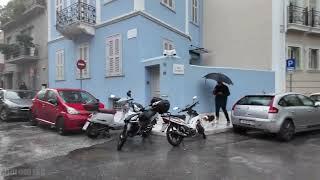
pixel 4 2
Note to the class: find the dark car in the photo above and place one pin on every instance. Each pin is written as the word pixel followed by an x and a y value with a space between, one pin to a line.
pixel 15 104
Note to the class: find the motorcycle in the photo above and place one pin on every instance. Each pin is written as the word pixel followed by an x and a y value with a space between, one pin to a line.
pixel 101 121
pixel 142 123
pixel 181 126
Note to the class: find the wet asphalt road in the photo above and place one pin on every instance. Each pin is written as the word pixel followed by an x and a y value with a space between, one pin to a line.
pixel 225 156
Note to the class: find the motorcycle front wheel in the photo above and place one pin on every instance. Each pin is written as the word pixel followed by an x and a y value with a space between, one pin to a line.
pixel 122 138
pixel 92 131
pixel 173 138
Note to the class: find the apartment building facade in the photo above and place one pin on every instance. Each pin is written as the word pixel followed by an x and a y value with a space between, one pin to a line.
pixel 263 35
pixel 27 61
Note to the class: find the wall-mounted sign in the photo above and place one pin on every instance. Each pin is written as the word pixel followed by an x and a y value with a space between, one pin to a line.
pixel 178 69
pixel 132 33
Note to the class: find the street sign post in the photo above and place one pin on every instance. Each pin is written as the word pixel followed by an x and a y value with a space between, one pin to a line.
pixel 291 67
pixel 81 65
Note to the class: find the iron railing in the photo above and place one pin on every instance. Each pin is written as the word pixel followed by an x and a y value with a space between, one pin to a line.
pixel 314 18
pixel 77 12
pixel 20 51
pixel 298 15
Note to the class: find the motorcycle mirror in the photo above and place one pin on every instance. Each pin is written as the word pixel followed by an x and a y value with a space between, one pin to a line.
pixel 175 108
pixel 112 96
pixel 195 97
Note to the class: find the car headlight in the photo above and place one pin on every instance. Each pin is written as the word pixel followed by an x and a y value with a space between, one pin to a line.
pixel 71 110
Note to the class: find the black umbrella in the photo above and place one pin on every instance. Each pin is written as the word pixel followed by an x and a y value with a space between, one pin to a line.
pixel 219 77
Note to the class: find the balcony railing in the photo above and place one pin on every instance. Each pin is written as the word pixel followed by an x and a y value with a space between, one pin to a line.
pixel 315 18
pixel 21 54
pixel 298 15
pixel 77 12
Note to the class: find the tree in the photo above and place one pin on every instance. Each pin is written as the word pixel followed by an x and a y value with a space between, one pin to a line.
pixel 11 11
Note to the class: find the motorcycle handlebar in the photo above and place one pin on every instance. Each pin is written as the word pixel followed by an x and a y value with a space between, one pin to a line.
pixel 189 107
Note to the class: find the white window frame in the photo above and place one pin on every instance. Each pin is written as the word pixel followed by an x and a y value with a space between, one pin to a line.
pixel 167 43
pixel 309 58
pixel 60 62
pixel 86 71
pixel 111 66
pixel 195 12
pixel 166 3
pixel 302 63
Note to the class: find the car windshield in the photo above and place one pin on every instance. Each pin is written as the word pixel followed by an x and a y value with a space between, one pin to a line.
pixel 315 97
pixel 16 95
pixel 256 100
pixel 77 97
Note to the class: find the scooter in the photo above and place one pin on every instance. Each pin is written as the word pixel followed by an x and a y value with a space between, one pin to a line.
pixel 179 127
pixel 102 121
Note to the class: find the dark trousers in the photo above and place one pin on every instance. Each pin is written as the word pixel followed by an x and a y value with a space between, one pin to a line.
pixel 222 103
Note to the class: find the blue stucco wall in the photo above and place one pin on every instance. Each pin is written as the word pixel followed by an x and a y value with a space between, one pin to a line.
pixel 115 8
pixel 175 18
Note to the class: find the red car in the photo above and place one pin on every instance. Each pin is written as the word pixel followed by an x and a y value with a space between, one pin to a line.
pixel 63 108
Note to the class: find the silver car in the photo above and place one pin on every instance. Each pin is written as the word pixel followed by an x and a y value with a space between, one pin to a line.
pixel 316 98
pixel 283 114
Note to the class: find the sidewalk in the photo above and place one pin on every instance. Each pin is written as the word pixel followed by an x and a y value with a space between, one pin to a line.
pixel 210 127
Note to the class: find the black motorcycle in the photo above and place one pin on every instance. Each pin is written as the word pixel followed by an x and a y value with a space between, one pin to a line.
pixel 142 123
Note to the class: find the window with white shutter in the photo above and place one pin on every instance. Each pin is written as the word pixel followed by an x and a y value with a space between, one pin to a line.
pixel 195 11
pixel 114 56
pixel 60 65
pixel 169 3
pixel 83 53
pixel 168 45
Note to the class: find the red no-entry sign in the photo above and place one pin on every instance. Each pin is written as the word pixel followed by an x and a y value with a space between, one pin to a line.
pixel 81 64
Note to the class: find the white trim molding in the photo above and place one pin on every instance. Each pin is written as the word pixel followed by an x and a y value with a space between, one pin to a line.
pixel 139 5
pixel 187 17
pixel 147 16
pixel 98 11
pixel 49 20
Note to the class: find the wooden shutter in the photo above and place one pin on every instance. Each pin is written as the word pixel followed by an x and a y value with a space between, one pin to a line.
pixel 114 56
pixel 60 65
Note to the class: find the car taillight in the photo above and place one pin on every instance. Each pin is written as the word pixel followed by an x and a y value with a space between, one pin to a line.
pixel 234 106
pixel 272 109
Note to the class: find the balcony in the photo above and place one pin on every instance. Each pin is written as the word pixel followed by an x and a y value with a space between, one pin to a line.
pixel 33 8
pixel 303 20
pixel 21 55
pixel 77 20
pixel 298 18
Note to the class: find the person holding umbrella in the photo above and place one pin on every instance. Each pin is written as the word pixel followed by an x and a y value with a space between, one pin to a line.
pixel 221 93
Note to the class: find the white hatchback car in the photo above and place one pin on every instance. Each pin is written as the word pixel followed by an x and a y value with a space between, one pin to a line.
pixel 283 114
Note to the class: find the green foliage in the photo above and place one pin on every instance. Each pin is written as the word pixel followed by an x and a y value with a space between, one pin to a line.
pixel 11 11
pixel 25 40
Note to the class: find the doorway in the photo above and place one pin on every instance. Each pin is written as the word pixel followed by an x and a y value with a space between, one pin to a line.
pixel 154 81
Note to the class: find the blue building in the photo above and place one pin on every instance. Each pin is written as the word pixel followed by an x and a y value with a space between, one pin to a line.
pixel 123 43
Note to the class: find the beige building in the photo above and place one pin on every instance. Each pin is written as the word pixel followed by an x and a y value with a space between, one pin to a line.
pixel 262 34
pixel 25 63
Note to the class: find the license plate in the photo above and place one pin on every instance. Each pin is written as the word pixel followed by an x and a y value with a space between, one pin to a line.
pixel 251 123
pixel 86 126
pixel 164 127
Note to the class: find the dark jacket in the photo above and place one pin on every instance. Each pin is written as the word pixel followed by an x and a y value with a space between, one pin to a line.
pixel 221 92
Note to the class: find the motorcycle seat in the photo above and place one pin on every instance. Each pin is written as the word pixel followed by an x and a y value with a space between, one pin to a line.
pixel 179 116
pixel 108 111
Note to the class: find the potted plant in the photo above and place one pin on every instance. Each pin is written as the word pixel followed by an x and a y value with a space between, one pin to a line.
pixel 26 42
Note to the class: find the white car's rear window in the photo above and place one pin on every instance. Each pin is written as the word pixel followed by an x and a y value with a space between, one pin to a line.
pixel 256 100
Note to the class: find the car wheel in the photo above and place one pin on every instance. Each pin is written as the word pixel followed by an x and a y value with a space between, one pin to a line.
pixel 239 130
pixel 287 131
pixel 60 126
pixel 33 121
pixel 3 115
